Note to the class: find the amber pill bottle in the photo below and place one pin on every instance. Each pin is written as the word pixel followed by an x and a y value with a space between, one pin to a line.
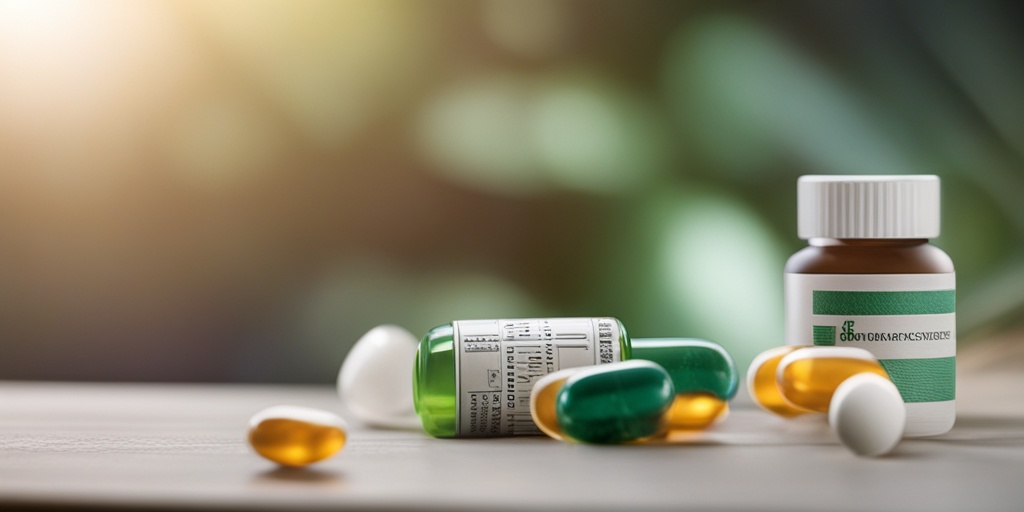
pixel 869 278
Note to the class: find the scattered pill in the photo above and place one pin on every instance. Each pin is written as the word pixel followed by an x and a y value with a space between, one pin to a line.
pixel 702 373
pixel 296 436
pixel 868 414
pixel 808 377
pixel 616 402
pixel 375 381
pixel 695 365
pixel 689 411
pixel 763 385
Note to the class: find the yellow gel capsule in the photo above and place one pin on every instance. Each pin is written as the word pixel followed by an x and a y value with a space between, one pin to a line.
pixel 763 385
pixel 542 401
pixel 808 377
pixel 296 436
pixel 696 411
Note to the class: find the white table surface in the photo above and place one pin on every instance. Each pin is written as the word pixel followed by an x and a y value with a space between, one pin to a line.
pixel 171 447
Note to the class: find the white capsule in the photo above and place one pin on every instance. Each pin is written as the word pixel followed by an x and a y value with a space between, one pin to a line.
pixel 868 414
pixel 375 381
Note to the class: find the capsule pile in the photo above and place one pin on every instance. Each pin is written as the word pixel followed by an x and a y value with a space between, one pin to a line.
pixel 849 384
pixel 637 400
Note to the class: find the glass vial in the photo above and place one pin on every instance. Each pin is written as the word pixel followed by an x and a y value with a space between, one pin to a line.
pixel 473 378
pixel 870 279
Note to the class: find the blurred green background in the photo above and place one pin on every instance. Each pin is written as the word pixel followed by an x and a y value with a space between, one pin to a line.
pixel 237 190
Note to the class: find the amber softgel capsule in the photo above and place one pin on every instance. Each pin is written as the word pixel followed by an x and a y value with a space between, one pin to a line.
pixel 807 378
pixel 296 436
pixel 798 379
pixel 763 385
pixel 695 411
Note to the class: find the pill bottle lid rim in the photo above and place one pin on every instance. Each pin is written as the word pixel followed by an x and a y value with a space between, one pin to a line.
pixel 866 206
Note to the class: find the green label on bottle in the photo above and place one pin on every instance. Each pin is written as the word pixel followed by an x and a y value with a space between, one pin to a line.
pixel 932 302
pixel 923 380
pixel 824 335
pixel 908 321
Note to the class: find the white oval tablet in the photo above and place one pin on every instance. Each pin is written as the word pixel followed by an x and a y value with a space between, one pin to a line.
pixel 375 381
pixel 868 414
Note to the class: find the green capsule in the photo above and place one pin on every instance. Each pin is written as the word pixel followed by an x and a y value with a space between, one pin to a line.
pixel 695 365
pixel 615 403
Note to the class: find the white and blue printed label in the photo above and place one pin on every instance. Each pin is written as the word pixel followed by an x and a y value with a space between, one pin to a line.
pixel 498 361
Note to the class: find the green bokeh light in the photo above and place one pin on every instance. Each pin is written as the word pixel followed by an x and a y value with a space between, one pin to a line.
pixel 751 98
pixel 722 270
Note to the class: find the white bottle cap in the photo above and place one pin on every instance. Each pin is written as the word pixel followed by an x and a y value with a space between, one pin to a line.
pixel 868 206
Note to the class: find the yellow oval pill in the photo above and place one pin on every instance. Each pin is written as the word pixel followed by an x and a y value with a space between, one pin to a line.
pixel 296 436
pixel 763 385
pixel 807 378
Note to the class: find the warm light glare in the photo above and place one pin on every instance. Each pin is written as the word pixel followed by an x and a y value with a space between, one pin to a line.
pixel 50 50
pixel 51 22
pixel 331 66
pixel 80 80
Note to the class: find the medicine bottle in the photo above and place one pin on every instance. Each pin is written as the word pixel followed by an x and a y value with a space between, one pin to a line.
pixel 871 279
pixel 473 378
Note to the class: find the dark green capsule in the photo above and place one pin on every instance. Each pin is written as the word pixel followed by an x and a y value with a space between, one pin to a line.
pixel 615 403
pixel 695 365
